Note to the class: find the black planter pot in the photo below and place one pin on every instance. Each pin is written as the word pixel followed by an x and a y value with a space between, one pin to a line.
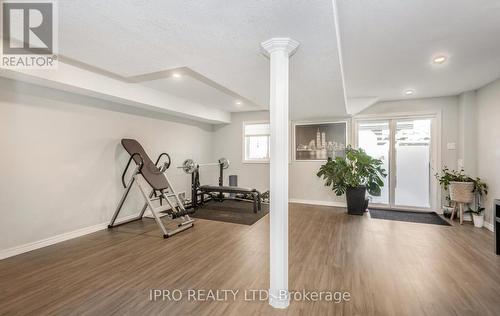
pixel 357 203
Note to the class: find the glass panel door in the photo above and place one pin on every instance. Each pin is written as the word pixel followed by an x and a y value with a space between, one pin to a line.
pixel 374 138
pixel 412 149
pixel 404 146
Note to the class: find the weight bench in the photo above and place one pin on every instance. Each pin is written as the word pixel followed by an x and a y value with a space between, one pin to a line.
pixel 223 189
pixel 154 186
pixel 198 190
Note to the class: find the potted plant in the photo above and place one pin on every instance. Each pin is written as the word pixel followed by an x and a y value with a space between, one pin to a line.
pixel 354 175
pixel 447 207
pixel 463 188
pixel 478 216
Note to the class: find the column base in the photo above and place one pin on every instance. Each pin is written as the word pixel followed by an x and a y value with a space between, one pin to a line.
pixel 279 298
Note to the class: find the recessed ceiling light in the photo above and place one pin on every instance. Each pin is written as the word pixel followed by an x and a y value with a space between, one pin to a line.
pixel 409 92
pixel 439 59
pixel 238 103
pixel 176 75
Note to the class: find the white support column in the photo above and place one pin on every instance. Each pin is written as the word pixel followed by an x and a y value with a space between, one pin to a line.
pixel 279 51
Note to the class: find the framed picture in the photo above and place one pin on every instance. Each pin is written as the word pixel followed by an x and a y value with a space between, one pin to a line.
pixel 318 141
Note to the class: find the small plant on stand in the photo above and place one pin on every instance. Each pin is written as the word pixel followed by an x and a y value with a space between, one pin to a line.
pixel 464 189
pixel 478 216
pixel 447 208
pixel 478 211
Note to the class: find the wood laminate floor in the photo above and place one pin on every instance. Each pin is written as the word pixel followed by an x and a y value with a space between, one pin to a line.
pixel 388 267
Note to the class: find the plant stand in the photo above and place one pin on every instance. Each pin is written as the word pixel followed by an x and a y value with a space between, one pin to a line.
pixel 447 210
pixel 461 194
pixel 459 208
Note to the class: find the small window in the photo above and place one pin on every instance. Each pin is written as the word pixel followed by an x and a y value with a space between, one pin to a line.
pixel 256 141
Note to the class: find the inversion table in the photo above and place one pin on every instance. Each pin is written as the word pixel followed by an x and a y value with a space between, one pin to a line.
pixel 154 185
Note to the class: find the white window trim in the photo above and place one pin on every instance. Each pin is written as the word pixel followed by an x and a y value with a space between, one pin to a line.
pixel 436 159
pixel 251 161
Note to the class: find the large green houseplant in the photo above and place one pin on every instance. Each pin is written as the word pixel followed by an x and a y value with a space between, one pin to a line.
pixel 354 175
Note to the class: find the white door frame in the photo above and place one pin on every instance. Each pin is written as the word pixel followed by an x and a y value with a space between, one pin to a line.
pixel 435 159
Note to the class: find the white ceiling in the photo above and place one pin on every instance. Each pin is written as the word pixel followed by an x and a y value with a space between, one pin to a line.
pixel 388 46
pixel 218 40
pixel 190 87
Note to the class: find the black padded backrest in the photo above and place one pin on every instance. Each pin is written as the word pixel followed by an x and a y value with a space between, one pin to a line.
pixel 150 172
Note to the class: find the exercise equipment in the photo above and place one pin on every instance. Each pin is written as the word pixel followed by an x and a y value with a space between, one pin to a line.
pixel 154 186
pixel 189 165
pixel 215 192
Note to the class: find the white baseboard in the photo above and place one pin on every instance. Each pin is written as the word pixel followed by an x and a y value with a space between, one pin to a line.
pixel 319 202
pixel 17 250
pixel 489 226
pixel 277 302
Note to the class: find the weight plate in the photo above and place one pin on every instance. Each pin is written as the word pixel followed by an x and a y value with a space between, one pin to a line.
pixel 189 166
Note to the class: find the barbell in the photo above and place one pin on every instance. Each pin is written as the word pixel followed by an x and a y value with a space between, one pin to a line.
pixel 189 165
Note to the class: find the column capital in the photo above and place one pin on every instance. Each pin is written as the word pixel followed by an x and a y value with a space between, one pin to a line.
pixel 284 44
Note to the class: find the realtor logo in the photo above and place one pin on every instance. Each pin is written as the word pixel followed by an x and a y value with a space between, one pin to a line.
pixel 29 38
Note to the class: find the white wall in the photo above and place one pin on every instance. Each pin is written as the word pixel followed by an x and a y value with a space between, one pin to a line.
pixel 448 106
pixel 488 142
pixel 467 128
pixel 304 184
pixel 228 142
pixel 61 158
pixel 449 113
pixel 458 117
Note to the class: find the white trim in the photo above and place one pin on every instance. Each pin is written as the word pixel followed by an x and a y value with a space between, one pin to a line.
pixel 279 302
pixel 256 161
pixel 396 115
pixel 256 122
pixel 17 250
pixel 278 168
pixel 489 226
pixel 339 52
pixel 436 148
pixel 243 143
pixel 279 44
pixel 319 202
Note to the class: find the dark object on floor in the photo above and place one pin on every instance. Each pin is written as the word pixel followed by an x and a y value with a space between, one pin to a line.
pixel 264 197
pixel 211 189
pixel 407 216
pixel 356 200
pixel 231 211
pixel 233 182
pixel 198 192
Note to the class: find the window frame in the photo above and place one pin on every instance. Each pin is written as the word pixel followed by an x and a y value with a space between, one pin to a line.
pixel 243 143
